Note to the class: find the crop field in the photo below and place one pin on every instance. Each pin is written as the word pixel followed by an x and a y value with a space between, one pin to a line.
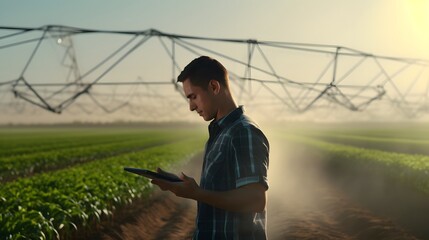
pixel 399 152
pixel 58 181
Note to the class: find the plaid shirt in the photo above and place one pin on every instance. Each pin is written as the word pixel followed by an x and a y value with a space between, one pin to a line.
pixel 236 154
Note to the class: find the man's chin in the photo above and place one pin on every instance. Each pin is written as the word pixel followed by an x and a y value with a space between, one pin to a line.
pixel 207 118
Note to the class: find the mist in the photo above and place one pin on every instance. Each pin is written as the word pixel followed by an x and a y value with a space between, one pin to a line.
pixel 294 191
pixel 309 198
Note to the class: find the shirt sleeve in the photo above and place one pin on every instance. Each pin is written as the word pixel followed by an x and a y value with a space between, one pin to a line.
pixel 251 156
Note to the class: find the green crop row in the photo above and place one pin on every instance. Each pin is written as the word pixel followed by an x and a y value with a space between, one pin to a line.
pixel 52 206
pixel 412 170
pixel 375 130
pixel 18 141
pixel 400 145
pixel 23 165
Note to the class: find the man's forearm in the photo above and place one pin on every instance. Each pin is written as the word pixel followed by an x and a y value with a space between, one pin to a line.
pixel 249 198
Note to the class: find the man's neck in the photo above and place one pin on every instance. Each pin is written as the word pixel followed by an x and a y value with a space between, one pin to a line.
pixel 229 106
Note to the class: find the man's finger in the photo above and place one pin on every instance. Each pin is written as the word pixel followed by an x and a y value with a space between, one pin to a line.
pixel 184 176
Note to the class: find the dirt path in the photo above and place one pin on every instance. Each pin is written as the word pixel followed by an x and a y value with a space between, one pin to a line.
pixel 302 204
pixel 161 216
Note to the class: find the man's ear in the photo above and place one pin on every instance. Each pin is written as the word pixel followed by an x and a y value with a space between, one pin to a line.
pixel 214 86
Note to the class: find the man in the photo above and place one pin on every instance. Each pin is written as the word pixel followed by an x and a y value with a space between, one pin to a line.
pixel 232 192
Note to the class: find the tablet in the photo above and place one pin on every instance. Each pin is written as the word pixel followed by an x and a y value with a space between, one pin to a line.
pixel 152 175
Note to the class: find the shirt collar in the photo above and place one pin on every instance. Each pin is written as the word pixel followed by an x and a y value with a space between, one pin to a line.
pixel 229 118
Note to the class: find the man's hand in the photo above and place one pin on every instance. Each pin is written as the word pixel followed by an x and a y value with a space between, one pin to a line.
pixel 248 198
pixel 185 189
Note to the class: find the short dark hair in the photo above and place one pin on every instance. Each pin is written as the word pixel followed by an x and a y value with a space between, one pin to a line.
pixel 203 69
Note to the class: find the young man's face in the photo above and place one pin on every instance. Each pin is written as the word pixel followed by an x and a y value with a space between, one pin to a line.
pixel 200 100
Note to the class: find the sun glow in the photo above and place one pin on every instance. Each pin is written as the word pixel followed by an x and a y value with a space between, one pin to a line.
pixel 417 19
pixel 419 13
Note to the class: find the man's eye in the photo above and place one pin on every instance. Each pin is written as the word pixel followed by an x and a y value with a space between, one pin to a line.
pixel 190 98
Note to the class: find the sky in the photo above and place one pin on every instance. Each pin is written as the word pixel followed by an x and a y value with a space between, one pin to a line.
pixel 386 27
pixel 397 28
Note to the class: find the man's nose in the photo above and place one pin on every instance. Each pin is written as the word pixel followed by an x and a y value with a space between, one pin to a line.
pixel 192 106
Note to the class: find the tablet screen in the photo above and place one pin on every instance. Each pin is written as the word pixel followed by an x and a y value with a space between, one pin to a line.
pixel 152 175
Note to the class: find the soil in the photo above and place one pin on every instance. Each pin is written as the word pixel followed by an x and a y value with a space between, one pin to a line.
pixel 303 203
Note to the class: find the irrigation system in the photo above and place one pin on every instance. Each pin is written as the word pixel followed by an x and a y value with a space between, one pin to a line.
pixel 67 69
